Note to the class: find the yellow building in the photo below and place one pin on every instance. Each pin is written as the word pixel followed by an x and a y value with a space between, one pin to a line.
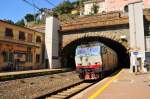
pixel 20 48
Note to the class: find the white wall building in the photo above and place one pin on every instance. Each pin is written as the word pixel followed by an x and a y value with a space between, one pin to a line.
pixel 88 5
pixel 110 5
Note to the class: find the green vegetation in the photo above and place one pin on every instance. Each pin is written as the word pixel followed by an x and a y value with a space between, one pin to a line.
pixel 62 10
pixel 29 17
pixel 95 8
pixel 20 22
pixel 9 21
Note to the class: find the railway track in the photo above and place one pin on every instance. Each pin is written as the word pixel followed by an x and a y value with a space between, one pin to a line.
pixel 69 91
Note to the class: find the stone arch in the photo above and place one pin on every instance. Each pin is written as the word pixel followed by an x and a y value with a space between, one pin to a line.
pixel 113 36
pixel 114 42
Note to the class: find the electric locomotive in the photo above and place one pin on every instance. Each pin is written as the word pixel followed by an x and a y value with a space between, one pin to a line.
pixel 94 59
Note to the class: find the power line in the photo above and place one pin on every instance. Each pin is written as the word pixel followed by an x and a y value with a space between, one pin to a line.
pixel 31 4
pixel 48 1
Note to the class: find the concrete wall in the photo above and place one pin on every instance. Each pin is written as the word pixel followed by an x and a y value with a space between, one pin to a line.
pixel 113 5
pixel 136 26
pixel 52 42
pixel 87 8
pixel 147 3
pixel 89 5
pixel 102 7
pixel 137 39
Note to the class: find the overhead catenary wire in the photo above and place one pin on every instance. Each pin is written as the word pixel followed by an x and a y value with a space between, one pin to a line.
pixel 31 4
pixel 35 6
pixel 34 11
pixel 48 1
pixel 40 9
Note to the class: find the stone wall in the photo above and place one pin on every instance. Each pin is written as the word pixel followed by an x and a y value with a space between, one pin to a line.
pixel 113 34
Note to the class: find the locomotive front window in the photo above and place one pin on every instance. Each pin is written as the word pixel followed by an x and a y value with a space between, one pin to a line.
pixel 89 51
pixel 81 51
pixel 94 50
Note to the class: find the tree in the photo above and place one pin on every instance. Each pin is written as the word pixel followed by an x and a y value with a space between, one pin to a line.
pixel 63 8
pixel 20 22
pixel 95 8
pixel 29 17
pixel 9 21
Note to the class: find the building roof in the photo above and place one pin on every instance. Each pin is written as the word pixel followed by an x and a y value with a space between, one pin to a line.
pixel 40 28
pixel 21 26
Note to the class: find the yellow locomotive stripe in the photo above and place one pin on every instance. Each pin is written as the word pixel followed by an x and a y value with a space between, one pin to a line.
pixel 104 86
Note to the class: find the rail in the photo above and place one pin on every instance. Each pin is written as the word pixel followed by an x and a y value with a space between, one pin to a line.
pixel 69 91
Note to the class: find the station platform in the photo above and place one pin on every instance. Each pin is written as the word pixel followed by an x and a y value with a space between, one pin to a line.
pixel 30 73
pixel 123 85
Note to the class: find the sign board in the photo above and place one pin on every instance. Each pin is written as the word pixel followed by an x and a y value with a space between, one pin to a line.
pixel 135 53
pixel 138 54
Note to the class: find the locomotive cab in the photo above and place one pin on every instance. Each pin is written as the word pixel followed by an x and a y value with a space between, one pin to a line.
pixel 93 60
pixel 88 61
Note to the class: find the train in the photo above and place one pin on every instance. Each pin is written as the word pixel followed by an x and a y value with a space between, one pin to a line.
pixel 94 59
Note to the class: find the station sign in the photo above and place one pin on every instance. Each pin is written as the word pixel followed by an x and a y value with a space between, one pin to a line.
pixel 135 53
pixel 138 54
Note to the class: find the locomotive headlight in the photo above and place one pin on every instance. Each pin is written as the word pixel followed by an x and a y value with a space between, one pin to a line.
pixel 97 62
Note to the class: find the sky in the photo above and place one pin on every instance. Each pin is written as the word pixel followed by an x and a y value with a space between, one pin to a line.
pixel 16 9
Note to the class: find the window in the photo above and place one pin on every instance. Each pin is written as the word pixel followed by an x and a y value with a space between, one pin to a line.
pixel 29 54
pixel 37 58
pixel 30 38
pixel 8 32
pixel 20 55
pixel 29 57
pixel 29 49
pixel 21 35
pixel 7 56
pixel 38 39
pixel 11 56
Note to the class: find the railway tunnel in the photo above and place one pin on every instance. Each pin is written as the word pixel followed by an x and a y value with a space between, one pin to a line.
pixel 68 52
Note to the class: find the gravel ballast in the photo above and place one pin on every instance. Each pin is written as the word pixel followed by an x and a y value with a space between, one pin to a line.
pixel 30 88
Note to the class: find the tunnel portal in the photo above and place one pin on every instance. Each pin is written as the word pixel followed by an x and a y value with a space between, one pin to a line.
pixel 68 52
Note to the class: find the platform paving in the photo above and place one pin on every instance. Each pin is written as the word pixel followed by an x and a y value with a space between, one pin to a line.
pixel 125 86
